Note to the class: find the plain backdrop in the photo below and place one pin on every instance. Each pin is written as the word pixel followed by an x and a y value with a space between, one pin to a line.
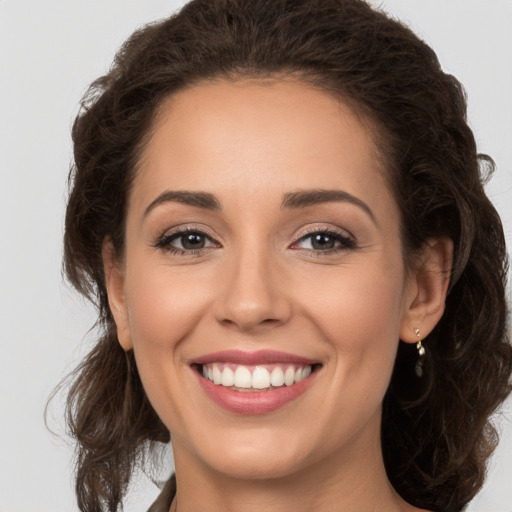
pixel 49 52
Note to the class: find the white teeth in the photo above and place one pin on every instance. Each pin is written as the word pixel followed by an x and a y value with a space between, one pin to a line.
pixel 216 375
pixel 228 377
pixel 260 378
pixel 277 377
pixel 243 377
pixel 255 377
pixel 289 375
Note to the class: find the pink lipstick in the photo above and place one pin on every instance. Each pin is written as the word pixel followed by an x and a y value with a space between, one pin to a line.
pixel 254 382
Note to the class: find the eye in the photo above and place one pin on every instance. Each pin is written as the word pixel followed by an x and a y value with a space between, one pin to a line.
pixel 185 241
pixel 324 241
pixel 191 241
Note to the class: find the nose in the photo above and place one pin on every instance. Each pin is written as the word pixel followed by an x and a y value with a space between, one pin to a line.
pixel 253 293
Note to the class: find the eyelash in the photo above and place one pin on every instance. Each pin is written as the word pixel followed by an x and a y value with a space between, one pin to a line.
pixel 165 241
pixel 346 242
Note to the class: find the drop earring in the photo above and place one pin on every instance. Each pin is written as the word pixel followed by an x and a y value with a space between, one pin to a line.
pixel 421 355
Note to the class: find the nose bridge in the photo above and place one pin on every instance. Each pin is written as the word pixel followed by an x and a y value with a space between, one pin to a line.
pixel 252 292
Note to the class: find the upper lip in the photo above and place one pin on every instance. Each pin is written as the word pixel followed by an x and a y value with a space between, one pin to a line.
pixel 258 357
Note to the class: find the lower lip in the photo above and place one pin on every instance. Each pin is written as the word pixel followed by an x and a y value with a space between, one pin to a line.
pixel 254 402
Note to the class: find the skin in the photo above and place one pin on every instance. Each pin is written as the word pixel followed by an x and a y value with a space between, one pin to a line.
pixel 259 283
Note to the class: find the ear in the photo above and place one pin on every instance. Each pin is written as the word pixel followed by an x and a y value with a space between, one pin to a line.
pixel 426 290
pixel 114 280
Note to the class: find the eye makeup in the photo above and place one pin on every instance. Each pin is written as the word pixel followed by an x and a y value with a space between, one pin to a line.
pixel 192 240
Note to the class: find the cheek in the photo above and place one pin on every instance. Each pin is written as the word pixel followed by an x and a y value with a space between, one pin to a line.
pixel 358 310
pixel 162 306
pixel 359 317
pixel 355 298
pixel 164 309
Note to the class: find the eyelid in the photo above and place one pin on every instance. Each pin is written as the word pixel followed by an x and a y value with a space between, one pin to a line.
pixel 342 235
pixel 163 240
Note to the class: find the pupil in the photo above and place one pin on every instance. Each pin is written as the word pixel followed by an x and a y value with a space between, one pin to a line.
pixel 192 241
pixel 323 242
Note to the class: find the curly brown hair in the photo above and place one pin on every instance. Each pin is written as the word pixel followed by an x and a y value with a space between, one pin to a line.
pixel 436 432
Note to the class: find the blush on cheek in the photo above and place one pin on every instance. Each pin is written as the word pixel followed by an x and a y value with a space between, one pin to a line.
pixel 161 309
pixel 364 328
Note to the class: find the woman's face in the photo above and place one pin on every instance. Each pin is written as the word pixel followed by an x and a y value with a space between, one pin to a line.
pixel 262 244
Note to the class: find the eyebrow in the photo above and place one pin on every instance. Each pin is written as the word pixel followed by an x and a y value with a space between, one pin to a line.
pixel 304 198
pixel 200 199
pixel 291 200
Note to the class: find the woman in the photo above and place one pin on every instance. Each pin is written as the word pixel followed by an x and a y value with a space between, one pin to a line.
pixel 278 206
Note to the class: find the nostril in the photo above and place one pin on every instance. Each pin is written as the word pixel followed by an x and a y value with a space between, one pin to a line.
pixel 252 300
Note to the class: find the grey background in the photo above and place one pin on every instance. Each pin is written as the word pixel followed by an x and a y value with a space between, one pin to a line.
pixel 49 52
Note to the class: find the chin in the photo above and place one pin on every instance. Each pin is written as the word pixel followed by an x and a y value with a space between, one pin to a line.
pixel 260 466
pixel 256 453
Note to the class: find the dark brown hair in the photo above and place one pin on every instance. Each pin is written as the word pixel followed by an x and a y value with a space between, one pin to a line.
pixel 436 431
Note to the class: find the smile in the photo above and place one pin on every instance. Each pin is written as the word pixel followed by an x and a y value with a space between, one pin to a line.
pixel 254 382
pixel 245 378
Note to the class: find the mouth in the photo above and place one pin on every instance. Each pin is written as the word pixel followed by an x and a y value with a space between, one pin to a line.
pixel 255 377
pixel 254 383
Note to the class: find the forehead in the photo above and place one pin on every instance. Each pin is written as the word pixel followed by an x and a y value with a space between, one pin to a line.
pixel 223 136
